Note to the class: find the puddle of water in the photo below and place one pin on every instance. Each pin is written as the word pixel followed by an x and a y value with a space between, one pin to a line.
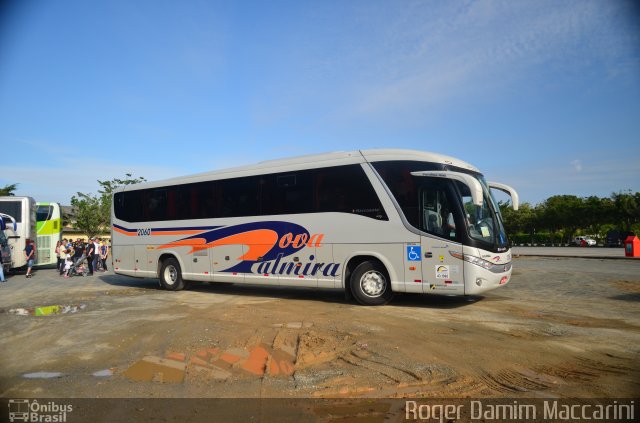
pixel 156 369
pixel 293 325
pixel 48 310
pixel 103 373
pixel 42 375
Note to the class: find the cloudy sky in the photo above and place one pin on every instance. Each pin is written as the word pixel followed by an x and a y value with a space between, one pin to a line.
pixel 541 95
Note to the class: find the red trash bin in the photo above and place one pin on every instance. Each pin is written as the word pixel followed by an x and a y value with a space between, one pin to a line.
pixel 632 246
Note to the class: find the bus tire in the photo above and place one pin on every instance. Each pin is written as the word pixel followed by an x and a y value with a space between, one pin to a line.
pixel 171 275
pixel 370 284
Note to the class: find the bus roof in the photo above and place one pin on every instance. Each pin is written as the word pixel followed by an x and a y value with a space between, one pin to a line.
pixel 311 161
pixel 15 198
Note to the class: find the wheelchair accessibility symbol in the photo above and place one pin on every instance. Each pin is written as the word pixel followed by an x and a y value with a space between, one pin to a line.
pixel 413 253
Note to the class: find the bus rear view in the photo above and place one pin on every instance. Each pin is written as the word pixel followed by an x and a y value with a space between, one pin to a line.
pixel 22 211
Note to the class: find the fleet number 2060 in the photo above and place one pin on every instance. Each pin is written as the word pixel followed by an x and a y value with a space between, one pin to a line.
pixel 144 232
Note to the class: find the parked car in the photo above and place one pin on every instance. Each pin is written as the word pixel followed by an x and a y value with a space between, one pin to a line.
pixel 616 238
pixel 584 241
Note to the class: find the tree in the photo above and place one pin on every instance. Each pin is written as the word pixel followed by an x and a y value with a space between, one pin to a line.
pixel 566 215
pixel 562 213
pixel 522 220
pixel 597 212
pixel 87 213
pixel 627 209
pixel 106 192
pixel 8 190
pixel 93 213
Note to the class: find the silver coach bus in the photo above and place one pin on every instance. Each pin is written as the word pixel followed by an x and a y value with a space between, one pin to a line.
pixel 371 222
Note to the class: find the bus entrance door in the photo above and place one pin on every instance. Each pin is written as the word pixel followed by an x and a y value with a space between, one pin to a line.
pixel 442 273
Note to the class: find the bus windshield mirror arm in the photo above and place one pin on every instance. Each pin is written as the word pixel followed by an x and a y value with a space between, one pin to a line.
pixel 468 180
pixel 509 190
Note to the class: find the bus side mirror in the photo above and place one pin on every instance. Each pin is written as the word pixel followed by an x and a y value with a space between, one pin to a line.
pixel 515 200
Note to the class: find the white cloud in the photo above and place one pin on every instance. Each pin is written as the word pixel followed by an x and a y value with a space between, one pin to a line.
pixel 479 50
pixel 577 165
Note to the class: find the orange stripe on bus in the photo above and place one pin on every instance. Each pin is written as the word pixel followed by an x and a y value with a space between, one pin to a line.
pixel 196 244
pixel 122 231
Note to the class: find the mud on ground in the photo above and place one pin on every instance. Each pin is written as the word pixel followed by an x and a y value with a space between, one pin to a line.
pixel 561 328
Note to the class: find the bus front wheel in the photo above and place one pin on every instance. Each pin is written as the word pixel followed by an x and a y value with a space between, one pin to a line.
pixel 171 275
pixel 370 284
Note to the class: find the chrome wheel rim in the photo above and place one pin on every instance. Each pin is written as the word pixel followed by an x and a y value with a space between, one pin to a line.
pixel 171 275
pixel 373 283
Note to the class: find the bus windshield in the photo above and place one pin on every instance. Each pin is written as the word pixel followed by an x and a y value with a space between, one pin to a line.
pixel 433 202
pixel 484 223
pixel 44 212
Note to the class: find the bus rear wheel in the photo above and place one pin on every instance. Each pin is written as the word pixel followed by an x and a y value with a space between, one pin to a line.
pixel 370 284
pixel 171 275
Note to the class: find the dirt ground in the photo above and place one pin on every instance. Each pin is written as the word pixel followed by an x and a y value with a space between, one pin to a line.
pixel 564 327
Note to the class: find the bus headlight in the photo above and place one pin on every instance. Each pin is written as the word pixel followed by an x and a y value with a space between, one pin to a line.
pixel 473 260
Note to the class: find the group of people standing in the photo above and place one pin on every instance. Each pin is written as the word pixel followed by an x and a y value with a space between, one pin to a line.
pixel 95 250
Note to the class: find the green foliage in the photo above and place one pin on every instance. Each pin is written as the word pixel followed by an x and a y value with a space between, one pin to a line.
pixel 106 192
pixel 522 220
pixel 559 218
pixel 8 190
pixel 93 213
pixel 87 213
pixel 627 207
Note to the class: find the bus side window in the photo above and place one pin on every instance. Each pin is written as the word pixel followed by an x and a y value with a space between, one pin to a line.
pixel 347 189
pixel 171 204
pixel 330 190
pixel 157 204
pixel 266 195
pixel 132 206
pixel 239 197
pixel 205 200
pixel 182 209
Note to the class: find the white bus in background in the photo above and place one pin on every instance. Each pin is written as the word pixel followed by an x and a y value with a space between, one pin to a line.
pixel 23 210
pixel 371 222
pixel 6 222
pixel 49 232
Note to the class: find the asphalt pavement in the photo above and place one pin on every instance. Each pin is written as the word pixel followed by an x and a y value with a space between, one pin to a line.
pixel 580 252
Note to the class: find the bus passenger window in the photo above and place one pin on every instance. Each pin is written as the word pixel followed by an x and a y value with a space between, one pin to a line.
pixel 156 202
